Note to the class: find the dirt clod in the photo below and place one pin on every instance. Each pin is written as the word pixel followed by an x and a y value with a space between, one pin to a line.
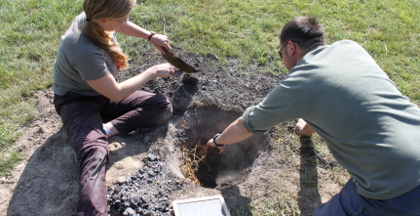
pixel 177 62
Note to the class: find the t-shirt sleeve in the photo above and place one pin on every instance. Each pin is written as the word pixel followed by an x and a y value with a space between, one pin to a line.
pixel 274 109
pixel 91 66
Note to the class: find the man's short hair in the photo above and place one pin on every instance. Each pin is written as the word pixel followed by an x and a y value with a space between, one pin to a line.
pixel 305 31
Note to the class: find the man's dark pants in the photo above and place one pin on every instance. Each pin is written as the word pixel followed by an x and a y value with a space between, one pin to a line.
pixel 349 202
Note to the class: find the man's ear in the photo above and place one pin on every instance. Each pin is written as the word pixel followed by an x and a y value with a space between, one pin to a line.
pixel 292 48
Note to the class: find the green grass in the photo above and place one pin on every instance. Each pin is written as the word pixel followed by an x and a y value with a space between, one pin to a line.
pixel 29 35
pixel 245 29
pixel 249 29
pixel 10 161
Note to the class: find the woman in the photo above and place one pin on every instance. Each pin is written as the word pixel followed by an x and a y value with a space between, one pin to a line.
pixel 85 87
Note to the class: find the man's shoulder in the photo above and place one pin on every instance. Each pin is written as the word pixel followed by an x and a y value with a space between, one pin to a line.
pixel 345 43
pixel 338 50
pixel 326 58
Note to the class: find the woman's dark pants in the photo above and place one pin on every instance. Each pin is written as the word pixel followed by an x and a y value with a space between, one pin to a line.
pixel 82 120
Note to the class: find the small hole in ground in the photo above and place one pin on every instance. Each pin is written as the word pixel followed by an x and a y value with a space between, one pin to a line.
pixel 205 166
pixel 194 164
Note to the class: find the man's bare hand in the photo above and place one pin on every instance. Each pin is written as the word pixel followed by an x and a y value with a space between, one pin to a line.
pixel 210 144
pixel 303 128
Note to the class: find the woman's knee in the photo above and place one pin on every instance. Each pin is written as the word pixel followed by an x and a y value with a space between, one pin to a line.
pixel 163 103
pixel 164 108
pixel 165 114
pixel 169 108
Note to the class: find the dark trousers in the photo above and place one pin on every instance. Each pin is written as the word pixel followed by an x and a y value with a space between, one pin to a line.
pixel 82 120
pixel 349 203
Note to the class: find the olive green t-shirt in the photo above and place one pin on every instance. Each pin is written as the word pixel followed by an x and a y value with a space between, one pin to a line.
pixel 79 60
pixel 370 127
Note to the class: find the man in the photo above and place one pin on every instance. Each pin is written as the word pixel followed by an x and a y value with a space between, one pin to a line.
pixel 340 92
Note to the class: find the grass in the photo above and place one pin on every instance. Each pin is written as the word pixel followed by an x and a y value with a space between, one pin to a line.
pixel 285 205
pixel 245 29
pixel 30 33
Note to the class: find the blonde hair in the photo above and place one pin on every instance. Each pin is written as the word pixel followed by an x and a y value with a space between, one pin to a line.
pixel 98 9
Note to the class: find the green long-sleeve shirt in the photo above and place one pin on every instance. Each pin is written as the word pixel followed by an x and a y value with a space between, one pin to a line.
pixel 370 127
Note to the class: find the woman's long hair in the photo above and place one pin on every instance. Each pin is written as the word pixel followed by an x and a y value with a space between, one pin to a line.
pixel 98 9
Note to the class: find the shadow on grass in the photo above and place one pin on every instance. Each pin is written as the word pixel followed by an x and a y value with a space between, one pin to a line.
pixel 308 196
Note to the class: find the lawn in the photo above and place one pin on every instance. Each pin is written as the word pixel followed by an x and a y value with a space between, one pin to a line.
pixel 243 29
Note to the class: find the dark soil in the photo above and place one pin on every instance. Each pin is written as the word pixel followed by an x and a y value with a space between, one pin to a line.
pixel 228 86
pixel 225 87
pixel 132 197
pixel 177 62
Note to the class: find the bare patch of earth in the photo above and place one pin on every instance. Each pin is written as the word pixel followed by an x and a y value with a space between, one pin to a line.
pixel 276 171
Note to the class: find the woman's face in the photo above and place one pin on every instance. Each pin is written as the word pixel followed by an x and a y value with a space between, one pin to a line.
pixel 112 24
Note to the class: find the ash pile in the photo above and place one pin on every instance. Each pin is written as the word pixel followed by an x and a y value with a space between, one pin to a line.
pixel 147 193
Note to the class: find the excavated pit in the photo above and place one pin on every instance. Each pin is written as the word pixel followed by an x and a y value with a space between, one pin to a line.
pixel 159 181
pixel 207 167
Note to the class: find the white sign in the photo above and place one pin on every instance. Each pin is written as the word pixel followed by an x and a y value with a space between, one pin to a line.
pixel 203 206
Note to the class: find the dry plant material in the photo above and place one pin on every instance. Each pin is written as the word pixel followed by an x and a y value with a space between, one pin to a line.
pixel 177 62
pixel 192 155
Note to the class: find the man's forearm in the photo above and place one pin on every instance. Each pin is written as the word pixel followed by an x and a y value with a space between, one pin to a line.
pixel 234 133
